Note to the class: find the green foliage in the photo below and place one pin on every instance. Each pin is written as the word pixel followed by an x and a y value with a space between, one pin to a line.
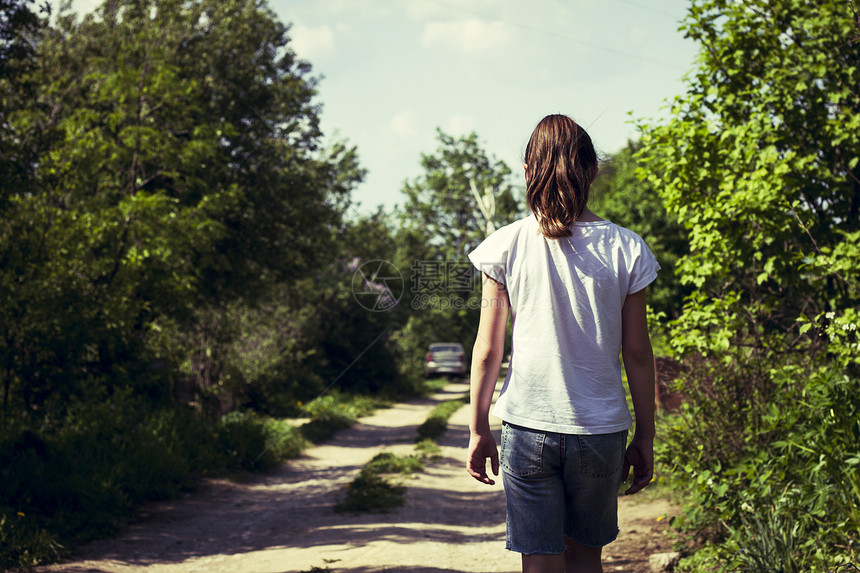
pixel 250 442
pixel 77 478
pixel 771 538
pixel 298 339
pixel 435 384
pixel 759 163
pixel 24 543
pixel 370 492
pixel 440 204
pixel 777 482
pixel 177 171
pixel 334 412
pixel 18 25
pixel 437 422
pixel 428 449
pixel 389 463
pixel 622 194
pixel 336 405
pixel 264 356
pixel 348 346
pixel 21 29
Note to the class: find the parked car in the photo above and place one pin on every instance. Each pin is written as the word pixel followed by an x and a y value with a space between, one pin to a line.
pixel 445 358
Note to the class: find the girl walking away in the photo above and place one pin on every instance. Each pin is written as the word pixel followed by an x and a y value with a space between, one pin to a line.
pixel 574 285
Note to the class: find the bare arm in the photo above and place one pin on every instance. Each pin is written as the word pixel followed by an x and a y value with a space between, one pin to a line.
pixel 639 363
pixel 486 361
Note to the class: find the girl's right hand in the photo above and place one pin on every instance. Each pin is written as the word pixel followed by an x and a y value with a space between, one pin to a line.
pixel 481 447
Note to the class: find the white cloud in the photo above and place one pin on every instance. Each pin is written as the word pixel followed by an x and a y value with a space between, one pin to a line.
pixel 403 124
pixel 470 36
pixel 459 125
pixel 312 43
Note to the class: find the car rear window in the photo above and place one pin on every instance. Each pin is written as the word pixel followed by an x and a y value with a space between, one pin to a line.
pixel 446 348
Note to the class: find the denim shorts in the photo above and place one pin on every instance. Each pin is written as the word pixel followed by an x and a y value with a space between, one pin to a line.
pixel 560 485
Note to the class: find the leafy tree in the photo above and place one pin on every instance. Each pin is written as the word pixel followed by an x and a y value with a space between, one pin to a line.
pixel 170 222
pixel 440 223
pixel 321 334
pixel 440 204
pixel 354 335
pixel 20 27
pixel 185 172
pixel 623 195
pixel 760 163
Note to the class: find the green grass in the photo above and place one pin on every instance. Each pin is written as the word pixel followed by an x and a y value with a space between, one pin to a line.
pixel 79 479
pixel 428 449
pixel 335 412
pixel 389 463
pixel 370 492
pixel 437 422
pixel 433 385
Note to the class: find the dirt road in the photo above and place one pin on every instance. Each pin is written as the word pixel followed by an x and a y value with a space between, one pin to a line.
pixel 284 522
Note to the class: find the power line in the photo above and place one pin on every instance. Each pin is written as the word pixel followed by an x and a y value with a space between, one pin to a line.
pixel 555 34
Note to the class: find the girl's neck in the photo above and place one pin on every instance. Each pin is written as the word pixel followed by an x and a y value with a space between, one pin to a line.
pixel 588 217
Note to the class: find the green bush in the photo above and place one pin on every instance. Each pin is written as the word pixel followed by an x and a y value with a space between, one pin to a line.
pixel 25 543
pixel 284 441
pixel 772 478
pixel 76 479
pixel 252 442
pixel 242 437
pixel 332 413
pixel 336 404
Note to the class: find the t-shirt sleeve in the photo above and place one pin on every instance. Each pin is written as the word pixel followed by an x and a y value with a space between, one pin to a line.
pixel 645 267
pixel 491 256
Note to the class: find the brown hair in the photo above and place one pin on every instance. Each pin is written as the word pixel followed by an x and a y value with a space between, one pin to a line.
pixel 561 165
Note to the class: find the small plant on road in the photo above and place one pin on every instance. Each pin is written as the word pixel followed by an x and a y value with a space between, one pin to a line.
pixel 437 422
pixel 388 463
pixel 371 492
pixel 428 449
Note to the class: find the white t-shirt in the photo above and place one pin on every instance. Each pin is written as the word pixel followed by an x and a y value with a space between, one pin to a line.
pixel 566 298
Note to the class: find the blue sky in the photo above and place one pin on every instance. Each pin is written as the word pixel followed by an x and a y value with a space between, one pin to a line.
pixel 395 70
pixel 392 71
